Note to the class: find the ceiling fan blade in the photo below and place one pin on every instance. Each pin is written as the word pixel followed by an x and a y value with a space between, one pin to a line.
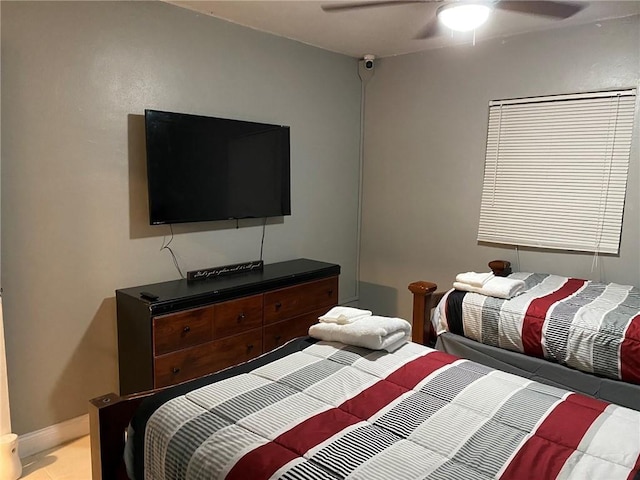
pixel 430 29
pixel 546 9
pixel 339 6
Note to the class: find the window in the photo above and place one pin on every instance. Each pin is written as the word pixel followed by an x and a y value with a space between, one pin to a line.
pixel 556 171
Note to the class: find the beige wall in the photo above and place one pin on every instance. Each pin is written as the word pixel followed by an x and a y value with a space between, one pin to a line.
pixel 425 134
pixel 76 78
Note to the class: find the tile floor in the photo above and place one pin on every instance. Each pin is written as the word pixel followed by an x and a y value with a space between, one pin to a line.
pixel 71 461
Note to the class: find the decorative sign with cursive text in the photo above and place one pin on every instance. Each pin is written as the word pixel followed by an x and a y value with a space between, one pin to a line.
pixel 212 272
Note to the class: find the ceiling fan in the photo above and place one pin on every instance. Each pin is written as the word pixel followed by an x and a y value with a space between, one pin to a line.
pixel 468 13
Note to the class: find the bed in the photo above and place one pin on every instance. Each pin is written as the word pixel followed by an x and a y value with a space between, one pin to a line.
pixel 325 410
pixel 571 333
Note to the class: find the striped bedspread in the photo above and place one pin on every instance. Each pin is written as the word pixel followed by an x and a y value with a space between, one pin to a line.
pixel 334 412
pixel 589 326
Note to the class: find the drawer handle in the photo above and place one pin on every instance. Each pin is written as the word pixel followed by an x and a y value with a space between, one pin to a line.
pixel 249 347
pixel 330 292
pixel 186 329
pixel 278 305
pixel 175 370
pixel 241 317
pixel 278 337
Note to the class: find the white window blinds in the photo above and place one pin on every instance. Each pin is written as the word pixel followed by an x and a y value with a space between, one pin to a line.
pixel 556 171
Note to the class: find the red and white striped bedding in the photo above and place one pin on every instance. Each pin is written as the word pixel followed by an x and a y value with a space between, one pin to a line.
pixel 586 325
pixel 335 412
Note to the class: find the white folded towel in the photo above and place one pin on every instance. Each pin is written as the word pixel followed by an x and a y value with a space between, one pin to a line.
pixel 373 332
pixel 343 315
pixel 499 287
pixel 474 279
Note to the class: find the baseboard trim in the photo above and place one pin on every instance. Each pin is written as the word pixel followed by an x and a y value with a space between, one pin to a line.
pixel 52 436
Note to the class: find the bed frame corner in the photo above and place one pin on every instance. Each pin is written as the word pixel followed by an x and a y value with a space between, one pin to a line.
pixel 423 302
pixel 500 268
pixel 109 416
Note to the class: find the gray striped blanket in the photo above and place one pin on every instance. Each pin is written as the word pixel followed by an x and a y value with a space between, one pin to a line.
pixel 589 326
pixel 335 412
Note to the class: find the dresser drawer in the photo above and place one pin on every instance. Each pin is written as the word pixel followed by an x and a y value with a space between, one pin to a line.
pixel 237 316
pixel 279 333
pixel 183 329
pixel 206 358
pixel 293 301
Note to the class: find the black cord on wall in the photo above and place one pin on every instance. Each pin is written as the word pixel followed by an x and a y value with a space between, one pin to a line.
pixel 167 247
pixel 264 227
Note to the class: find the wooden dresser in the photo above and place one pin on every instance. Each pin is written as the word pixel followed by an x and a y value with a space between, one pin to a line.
pixel 196 328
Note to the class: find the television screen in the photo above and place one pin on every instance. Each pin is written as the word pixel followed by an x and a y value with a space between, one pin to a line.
pixel 207 168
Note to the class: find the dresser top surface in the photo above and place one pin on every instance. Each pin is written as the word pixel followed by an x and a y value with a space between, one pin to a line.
pixel 273 275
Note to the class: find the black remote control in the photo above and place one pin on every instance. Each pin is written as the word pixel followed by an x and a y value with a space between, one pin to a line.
pixel 149 296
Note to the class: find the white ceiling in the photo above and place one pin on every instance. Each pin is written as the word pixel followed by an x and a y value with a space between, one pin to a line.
pixel 384 31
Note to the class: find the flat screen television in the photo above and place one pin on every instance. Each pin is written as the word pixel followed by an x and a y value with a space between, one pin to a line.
pixel 206 168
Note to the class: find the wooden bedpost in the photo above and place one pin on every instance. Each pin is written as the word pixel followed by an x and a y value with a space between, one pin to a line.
pixel 423 302
pixel 500 268
pixel 109 416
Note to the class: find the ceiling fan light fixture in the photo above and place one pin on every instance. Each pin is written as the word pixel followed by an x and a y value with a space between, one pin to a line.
pixel 463 17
